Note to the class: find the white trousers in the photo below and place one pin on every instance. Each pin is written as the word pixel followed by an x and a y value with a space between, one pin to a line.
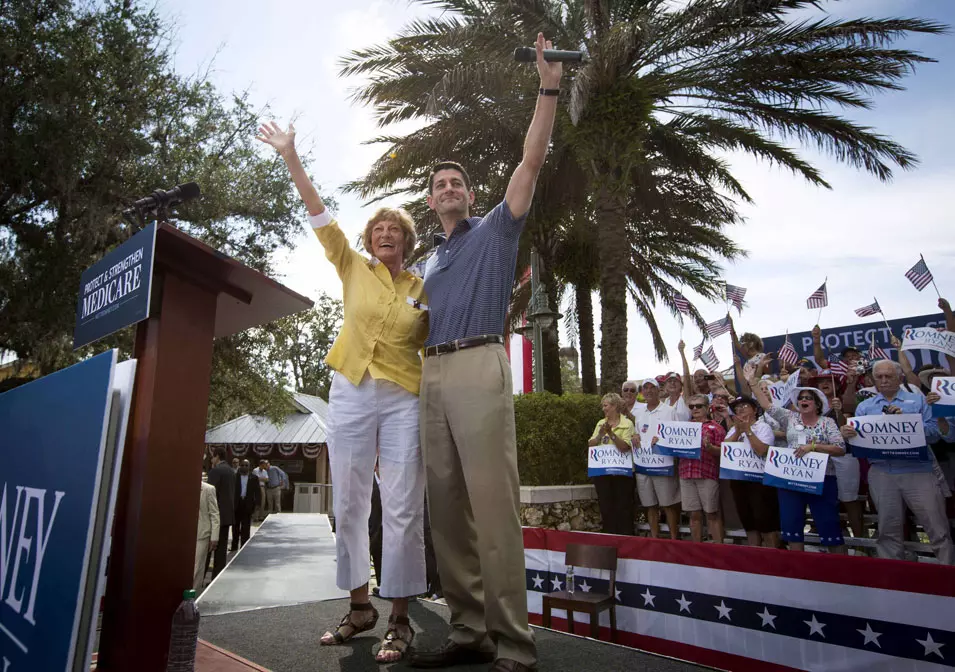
pixel 199 571
pixel 377 418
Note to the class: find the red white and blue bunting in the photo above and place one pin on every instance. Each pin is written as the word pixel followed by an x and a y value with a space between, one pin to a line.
pixel 309 451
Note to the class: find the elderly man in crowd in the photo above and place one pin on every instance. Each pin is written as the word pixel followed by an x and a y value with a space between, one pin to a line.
pixel 628 392
pixel 893 483
pixel 657 491
pixel 675 399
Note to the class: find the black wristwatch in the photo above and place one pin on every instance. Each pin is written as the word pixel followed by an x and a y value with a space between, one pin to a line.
pixel 549 92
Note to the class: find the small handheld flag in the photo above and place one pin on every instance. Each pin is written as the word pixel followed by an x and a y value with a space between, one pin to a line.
pixel 698 351
pixel 819 298
pixel 875 352
pixel 788 353
pixel 681 303
pixel 871 309
pixel 710 360
pixel 735 296
pixel 920 276
pixel 718 328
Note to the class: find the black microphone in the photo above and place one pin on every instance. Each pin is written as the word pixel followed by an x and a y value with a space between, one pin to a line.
pixel 164 199
pixel 529 55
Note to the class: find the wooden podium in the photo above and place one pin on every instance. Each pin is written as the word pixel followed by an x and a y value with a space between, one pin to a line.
pixel 198 294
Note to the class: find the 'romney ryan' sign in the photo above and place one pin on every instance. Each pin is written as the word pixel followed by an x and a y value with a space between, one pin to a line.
pixel 739 462
pixel 605 460
pixel 926 338
pixel 889 437
pixel 801 474
pixel 680 439
pixel 944 387
pixel 116 290
pixel 646 459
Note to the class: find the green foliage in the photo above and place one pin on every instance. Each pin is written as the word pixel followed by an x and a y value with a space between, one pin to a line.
pixel 552 434
pixel 569 379
pixel 93 116
pixel 301 342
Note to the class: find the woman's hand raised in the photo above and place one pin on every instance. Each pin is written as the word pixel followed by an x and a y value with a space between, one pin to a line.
pixel 271 134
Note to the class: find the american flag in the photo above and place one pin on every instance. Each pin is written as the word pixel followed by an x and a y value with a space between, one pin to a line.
pixel 698 351
pixel 919 275
pixel 681 303
pixel 875 352
pixel 725 606
pixel 710 361
pixel 819 298
pixel 788 353
pixel 735 296
pixel 865 311
pixel 839 367
pixel 718 328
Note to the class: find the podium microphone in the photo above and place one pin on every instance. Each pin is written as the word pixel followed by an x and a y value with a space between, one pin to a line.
pixel 529 55
pixel 165 199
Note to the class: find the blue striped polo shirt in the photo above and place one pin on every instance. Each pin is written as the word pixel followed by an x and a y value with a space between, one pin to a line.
pixel 469 277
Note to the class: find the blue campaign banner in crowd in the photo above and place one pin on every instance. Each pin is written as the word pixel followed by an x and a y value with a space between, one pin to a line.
pixel 944 387
pixel 116 290
pixel 680 439
pixel 802 474
pixel 53 442
pixel 739 462
pixel 647 459
pixel 889 437
pixel 836 339
pixel 605 460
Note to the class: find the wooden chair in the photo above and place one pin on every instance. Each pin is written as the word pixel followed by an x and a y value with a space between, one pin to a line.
pixel 591 557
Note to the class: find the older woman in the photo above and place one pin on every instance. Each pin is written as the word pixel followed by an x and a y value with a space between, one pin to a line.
pixel 699 479
pixel 373 408
pixel 808 429
pixel 756 504
pixel 614 493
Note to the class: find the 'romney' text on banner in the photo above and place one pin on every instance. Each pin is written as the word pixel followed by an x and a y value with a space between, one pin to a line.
pixel 801 474
pixel 739 462
pixel 889 437
pixel 647 461
pixel 944 387
pixel 605 460
pixel 680 439
pixel 782 391
pixel 925 338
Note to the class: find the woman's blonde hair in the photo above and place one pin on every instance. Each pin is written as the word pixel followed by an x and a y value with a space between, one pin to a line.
pixel 616 400
pixel 398 216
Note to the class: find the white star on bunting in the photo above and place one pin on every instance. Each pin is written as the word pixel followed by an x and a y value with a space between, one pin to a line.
pixel 767 618
pixel 684 604
pixel 931 646
pixel 815 627
pixel 584 586
pixel 538 581
pixel 648 598
pixel 724 610
pixel 616 594
pixel 556 583
pixel 870 635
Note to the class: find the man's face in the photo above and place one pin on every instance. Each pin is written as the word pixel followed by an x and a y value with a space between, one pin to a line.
pixel 699 380
pixel 721 400
pixel 674 387
pixel 714 383
pixel 244 467
pixel 886 378
pixel 235 463
pixel 824 385
pixel 851 357
pixel 651 393
pixel 449 194
pixel 629 393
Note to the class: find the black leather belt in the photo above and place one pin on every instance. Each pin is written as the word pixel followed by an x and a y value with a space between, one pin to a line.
pixel 461 344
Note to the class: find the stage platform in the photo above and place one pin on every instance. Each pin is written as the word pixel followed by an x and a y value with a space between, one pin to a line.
pixel 277 596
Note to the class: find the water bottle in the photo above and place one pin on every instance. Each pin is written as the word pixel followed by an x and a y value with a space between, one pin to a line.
pixel 570 579
pixel 185 634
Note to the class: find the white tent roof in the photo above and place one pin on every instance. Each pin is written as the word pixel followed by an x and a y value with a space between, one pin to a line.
pixel 308 424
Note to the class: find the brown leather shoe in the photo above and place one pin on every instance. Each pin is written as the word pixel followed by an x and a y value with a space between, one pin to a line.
pixel 449 654
pixel 508 665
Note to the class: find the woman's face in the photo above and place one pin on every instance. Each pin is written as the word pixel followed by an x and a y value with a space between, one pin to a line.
pixel 806 402
pixel 608 407
pixel 698 410
pixel 763 385
pixel 674 386
pixel 745 412
pixel 388 242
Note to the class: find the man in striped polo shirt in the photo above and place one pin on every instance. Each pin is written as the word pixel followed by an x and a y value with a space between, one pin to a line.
pixel 467 408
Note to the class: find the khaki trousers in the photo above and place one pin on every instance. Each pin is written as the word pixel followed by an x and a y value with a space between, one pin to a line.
pixel 199 570
pixel 470 454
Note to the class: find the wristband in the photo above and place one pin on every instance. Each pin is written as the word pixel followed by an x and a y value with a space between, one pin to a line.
pixel 324 218
pixel 549 92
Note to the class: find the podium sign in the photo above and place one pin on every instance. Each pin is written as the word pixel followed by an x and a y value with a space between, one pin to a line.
pixel 59 458
pixel 116 290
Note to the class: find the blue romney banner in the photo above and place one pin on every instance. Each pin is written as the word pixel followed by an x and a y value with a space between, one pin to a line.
pixel 52 442
pixel 116 290
pixel 858 336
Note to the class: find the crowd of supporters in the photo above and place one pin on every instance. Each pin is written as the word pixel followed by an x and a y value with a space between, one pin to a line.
pixel 906 495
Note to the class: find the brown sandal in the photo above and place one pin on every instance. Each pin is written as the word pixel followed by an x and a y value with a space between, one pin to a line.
pixel 355 628
pixel 393 640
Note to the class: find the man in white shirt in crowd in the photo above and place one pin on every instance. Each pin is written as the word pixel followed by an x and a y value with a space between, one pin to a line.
pixel 657 491
pixel 628 391
pixel 673 385
pixel 261 472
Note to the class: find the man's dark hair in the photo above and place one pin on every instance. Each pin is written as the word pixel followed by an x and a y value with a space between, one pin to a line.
pixel 219 452
pixel 448 165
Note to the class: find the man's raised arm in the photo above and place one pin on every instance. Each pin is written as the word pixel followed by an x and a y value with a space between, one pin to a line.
pixel 520 190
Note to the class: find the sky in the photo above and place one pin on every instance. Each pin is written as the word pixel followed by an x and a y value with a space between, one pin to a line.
pixel 862 234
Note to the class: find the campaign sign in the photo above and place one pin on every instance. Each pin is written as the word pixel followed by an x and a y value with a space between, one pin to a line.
pixel 115 291
pixel 53 444
pixel 680 439
pixel 739 462
pixel 782 391
pixel 605 460
pixel 944 387
pixel 647 461
pixel 925 338
pixel 802 474
pixel 889 437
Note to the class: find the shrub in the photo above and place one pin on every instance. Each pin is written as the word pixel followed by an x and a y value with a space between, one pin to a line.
pixel 552 434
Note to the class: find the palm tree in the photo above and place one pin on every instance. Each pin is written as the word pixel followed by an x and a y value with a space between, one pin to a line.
pixel 667 91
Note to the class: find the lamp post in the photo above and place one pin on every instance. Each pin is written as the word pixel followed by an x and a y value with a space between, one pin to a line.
pixel 540 318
